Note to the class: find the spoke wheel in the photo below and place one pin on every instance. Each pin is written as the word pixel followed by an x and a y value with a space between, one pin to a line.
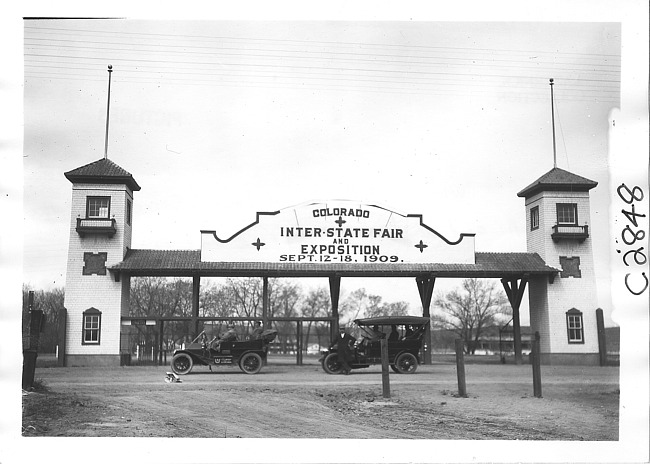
pixel 406 363
pixel 331 364
pixel 182 363
pixel 250 363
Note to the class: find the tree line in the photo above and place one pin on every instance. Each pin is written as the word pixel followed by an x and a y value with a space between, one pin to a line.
pixel 465 312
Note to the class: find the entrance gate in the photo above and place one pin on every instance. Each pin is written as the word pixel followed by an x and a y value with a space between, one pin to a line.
pixel 152 341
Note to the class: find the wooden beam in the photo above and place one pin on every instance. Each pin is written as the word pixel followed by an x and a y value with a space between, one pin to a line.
pixel 335 292
pixel 196 286
pixel 265 303
pixel 299 343
pixel 515 291
pixel 425 288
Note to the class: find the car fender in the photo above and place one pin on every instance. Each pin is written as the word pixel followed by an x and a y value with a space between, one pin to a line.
pixel 195 358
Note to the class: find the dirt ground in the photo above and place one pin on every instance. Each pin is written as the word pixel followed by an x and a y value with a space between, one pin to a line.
pixel 288 401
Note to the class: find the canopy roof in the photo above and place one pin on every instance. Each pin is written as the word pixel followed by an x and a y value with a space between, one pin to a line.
pixel 187 263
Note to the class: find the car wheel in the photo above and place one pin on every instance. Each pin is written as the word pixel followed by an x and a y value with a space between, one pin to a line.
pixel 392 366
pixel 406 363
pixel 182 363
pixel 250 363
pixel 331 364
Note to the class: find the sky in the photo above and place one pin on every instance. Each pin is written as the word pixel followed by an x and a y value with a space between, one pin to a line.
pixel 217 120
pixel 443 112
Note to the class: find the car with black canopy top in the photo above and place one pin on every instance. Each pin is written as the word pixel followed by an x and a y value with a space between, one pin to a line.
pixel 404 335
pixel 249 355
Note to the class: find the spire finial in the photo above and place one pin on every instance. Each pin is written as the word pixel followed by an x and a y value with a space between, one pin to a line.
pixel 108 108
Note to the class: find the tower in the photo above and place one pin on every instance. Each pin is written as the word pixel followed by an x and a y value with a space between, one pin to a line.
pixel 562 310
pixel 100 235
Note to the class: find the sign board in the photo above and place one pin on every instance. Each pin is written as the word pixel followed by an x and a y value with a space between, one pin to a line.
pixel 139 322
pixel 337 232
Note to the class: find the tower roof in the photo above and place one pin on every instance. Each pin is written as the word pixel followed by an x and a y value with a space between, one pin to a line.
pixel 102 171
pixel 558 180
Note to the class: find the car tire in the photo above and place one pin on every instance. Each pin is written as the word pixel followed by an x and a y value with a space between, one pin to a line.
pixel 182 363
pixel 331 364
pixel 392 366
pixel 250 363
pixel 406 363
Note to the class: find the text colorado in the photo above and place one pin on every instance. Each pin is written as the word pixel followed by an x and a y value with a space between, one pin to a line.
pixel 350 212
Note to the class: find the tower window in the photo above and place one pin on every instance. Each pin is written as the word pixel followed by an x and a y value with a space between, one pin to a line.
pixel 534 218
pixel 128 212
pixel 92 324
pixel 574 326
pixel 98 207
pixel 567 214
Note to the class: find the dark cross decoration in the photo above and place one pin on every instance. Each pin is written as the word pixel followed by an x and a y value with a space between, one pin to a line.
pixel 421 246
pixel 258 244
pixel 340 221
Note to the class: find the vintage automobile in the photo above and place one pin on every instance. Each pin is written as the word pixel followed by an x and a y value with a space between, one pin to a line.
pixel 403 347
pixel 249 355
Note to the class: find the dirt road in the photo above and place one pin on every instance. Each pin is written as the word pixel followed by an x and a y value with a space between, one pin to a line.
pixel 286 401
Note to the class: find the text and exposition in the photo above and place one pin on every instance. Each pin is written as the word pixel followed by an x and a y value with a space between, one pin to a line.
pixel 341 244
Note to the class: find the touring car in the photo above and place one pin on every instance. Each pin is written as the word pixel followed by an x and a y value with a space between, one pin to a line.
pixel 249 355
pixel 403 347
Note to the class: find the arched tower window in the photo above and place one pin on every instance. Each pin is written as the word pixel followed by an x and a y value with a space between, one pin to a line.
pixel 92 325
pixel 575 327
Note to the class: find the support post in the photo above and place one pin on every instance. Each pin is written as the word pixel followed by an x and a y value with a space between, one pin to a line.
pixel 63 319
pixel 515 292
pixel 196 286
pixel 385 376
pixel 425 288
pixel 265 303
pixel 299 343
pixel 602 340
pixel 335 291
pixel 160 341
pixel 537 371
pixel 460 367
pixel 36 321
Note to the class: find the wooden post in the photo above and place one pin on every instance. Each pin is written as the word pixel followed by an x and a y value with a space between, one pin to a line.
pixel 515 294
pixel 299 343
pixel 537 372
pixel 385 380
pixel 160 341
pixel 425 288
pixel 36 320
pixel 460 368
pixel 63 319
pixel 265 303
pixel 335 290
pixel 602 340
pixel 196 285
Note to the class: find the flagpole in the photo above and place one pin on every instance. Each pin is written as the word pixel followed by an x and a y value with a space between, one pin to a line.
pixel 108 108
pixel 553 123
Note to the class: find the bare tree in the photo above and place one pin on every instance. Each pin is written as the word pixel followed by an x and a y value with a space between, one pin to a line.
pixel 246 294
pixel 469 311
pixel 354 305
pixel 316 304
pixel 377 308
pixel 284 298
pixel 160 296
pixel 51 303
